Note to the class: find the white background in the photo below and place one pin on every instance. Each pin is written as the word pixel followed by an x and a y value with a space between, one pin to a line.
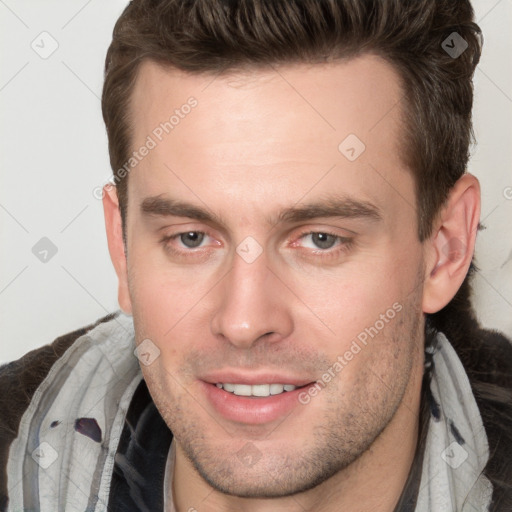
pixel 54 154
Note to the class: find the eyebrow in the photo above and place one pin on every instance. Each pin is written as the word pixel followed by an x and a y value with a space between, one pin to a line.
pixel 333 207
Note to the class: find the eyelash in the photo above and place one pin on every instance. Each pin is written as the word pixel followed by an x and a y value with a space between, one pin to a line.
pixel 344 244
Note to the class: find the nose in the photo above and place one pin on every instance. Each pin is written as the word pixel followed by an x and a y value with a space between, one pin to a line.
pixel 251 305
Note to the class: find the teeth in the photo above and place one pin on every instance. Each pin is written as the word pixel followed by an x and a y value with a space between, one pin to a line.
pixel 256 389
pixel 260 390
pixel 242 389
pixel 276 389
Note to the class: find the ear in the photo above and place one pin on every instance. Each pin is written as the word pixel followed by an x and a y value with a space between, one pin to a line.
pixel 450 248
pixel 116 247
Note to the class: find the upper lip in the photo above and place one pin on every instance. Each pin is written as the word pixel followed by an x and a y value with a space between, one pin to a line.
pixel 237 377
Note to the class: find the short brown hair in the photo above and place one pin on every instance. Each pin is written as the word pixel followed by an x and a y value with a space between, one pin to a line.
pixel 213 36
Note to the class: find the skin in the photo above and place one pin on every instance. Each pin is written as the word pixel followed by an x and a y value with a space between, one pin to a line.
pixel 259 142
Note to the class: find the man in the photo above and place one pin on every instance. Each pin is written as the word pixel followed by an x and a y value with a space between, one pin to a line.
pixel 293 230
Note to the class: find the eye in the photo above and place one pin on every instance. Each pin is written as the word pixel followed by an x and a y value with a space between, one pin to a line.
pixel 185 242
pixel 321 240
pixel 192 239
pixel 322 246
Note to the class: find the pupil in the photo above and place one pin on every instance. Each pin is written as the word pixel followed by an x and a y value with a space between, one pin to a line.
pixel 192 238
pixel 323 240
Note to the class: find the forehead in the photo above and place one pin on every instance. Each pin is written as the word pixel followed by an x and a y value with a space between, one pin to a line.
pixel 284 127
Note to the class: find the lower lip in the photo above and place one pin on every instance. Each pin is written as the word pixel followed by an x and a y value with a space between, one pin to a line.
pixel 251 410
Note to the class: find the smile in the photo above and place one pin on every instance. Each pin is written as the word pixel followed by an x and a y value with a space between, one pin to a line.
pixel 254 403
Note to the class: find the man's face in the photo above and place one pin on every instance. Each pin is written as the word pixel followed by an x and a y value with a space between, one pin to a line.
pixel 304 267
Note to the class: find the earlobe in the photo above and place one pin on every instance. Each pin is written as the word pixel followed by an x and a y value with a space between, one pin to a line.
pixel 113 226
pixel 451 246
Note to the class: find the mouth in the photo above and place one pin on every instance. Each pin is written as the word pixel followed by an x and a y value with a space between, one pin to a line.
pixel 254 403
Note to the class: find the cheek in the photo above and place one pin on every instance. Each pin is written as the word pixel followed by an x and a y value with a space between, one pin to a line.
pixel 361 297
pixel 162 296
